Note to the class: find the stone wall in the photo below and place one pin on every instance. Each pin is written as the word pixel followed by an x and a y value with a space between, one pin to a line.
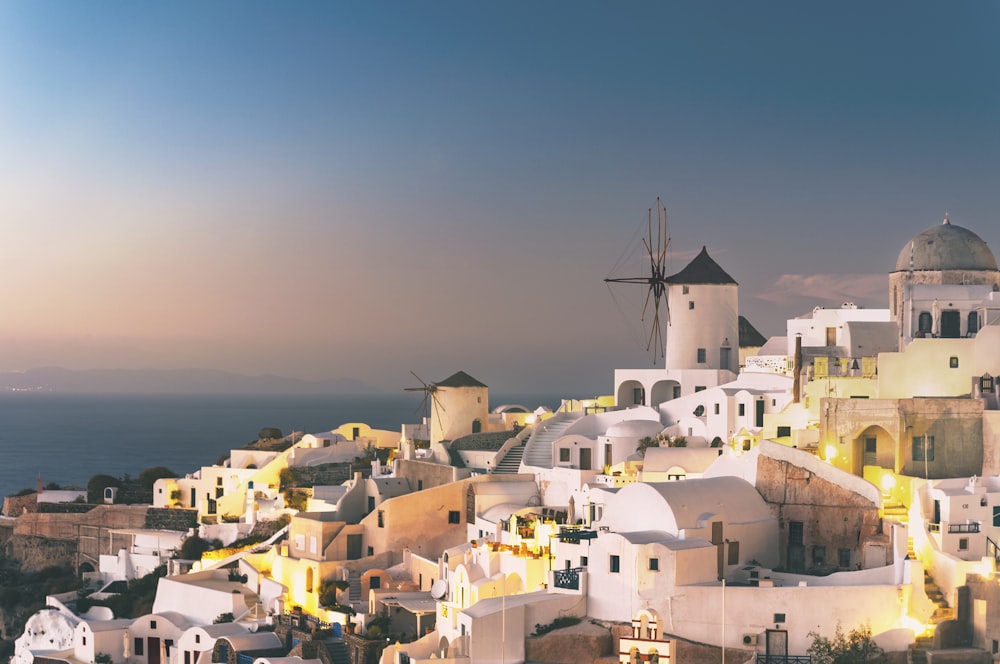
pixel 37 553
pixel 832 517
pixel 17 505
pixel 580 643
pixel 181 520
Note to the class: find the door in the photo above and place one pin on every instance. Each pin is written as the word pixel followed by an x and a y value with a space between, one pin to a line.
pixel 777 643
pixel 796 551
pixel 353 547
pixel 153 650
pixel 951 324
pixel 585 458
pixel 760 413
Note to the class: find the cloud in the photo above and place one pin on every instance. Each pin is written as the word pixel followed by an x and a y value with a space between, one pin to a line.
pixel 867 289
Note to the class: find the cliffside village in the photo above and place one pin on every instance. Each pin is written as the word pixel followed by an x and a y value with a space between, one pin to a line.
pixel 747 497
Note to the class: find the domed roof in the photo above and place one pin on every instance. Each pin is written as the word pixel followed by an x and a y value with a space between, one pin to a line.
pixel 634 429
pixel 946 247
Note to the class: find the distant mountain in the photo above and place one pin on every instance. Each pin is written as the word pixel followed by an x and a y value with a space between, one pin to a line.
pixel 171 381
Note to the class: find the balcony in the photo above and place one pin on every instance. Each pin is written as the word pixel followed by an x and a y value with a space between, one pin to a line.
pixel 567 579
pixel 955 528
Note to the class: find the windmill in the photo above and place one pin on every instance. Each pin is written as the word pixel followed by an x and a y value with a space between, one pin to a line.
pixel 656 280
pixel 430 398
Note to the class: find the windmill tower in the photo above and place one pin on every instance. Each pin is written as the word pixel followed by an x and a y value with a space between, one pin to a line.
pixel 455 406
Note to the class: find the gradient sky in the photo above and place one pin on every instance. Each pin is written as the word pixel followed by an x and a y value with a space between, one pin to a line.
pixel 321 190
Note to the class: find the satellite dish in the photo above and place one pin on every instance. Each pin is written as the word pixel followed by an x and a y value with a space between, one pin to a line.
pixel 438 589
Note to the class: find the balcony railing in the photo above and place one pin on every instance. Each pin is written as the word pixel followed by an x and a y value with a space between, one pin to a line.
pixel 954 527
pixel 567 579
pixel 573 536
pixel 784 659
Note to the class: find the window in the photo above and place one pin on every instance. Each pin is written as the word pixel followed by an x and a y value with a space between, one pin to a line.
pixel 684 290
pixel 614 564
pixel 85 640
pixel 690 304
pixel 371 551
pixel 699 388
pixel 218 481
pixel 871 444
pixel 844 558
pixel 375 582
pixel 923 448
pixel 716 409
pixel 167 645
pixel 743 409
pixel 654 564
pixel 138 646
pixel 784 432
pixel 779 617
pixel 454 517
pixel 677 391
pixel 583 561
pixel 564 455
pixel 197 638
pixel 639 396
pixel 313 544
pixel 986 383
pixel 371 503
pixel 734 553
pixel 218 491
pixel 819 555
pixel 152 624
pixel 701 356
pixel 973 325
pixel 953 361
pixel 420 485
pixel 924 322
pixel 963 543
pixel 381 519
pixel 996 516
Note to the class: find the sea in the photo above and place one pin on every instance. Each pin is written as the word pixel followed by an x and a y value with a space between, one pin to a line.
pixel 68 438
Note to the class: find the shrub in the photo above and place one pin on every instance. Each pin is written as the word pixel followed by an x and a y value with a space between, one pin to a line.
pixel 193 547
pixel 856 647
pixel 558 623
pixel 226 617
pixel 296 499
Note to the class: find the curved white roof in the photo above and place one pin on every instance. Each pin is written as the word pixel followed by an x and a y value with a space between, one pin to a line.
pixel 634 429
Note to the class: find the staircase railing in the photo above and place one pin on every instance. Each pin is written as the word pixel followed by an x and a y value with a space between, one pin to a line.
pixel 993 550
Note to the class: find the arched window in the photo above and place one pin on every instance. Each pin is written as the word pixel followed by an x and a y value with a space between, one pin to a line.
pixel 925 322
pixel 477 426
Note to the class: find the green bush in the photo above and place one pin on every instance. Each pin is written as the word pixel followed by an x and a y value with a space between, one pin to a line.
pixel 855 647
pixel 558 623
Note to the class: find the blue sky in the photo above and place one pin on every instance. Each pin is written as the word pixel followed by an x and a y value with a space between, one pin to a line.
pixel 361 189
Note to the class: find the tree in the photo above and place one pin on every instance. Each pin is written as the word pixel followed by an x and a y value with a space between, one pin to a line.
pixel 193 547
pixel 856 647
pixel 149 476
pixel 96 486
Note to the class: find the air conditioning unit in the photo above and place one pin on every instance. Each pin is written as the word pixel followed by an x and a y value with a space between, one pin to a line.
pixel 750 639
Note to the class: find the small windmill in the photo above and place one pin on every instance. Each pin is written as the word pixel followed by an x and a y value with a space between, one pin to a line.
pixel 656 280
pixel 430 398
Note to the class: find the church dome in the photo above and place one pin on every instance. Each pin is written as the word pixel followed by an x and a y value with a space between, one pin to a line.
pixel 946 247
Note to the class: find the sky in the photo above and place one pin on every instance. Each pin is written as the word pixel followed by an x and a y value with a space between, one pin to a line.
pixel 330 190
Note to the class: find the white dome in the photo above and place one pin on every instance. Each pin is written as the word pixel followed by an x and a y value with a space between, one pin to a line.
pixel 634 429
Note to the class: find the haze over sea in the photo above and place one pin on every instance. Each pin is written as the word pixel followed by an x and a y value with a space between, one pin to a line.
pixel 69 438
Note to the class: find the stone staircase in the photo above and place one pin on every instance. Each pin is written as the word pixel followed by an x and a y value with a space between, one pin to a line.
pixel 354 591
pixel 942 612
pixel 538 450
pixel 336 652
pixel 511 462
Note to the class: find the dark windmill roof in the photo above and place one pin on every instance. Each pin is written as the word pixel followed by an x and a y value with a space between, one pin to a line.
pixel 749 336
pixel 701 270
pixel 459 379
